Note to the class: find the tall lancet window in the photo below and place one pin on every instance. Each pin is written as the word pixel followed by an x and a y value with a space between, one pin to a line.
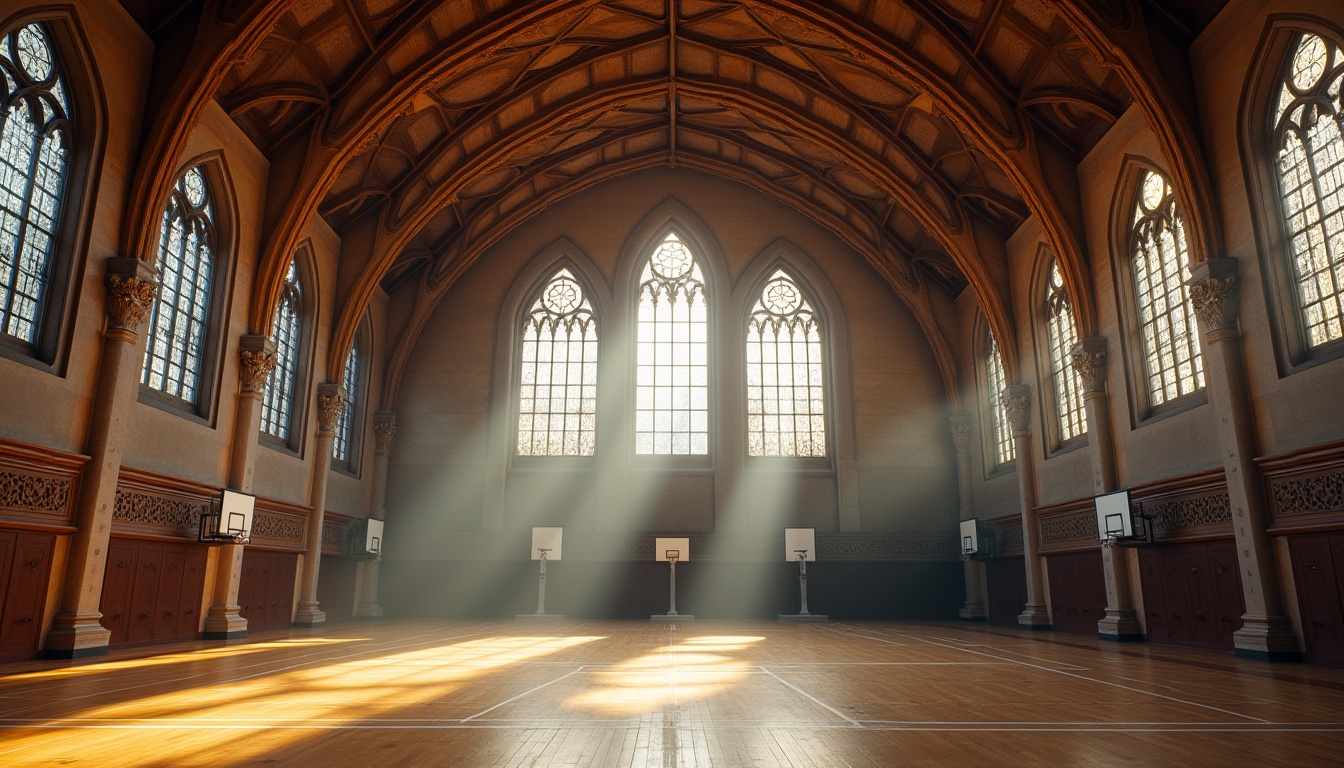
pixel 785 382
pixel 557 390
pixel 1309 130
pixel 34 160
pixel 996 381
pixel 672 370
pixel 1172 366
pixel 1063 335
pixel 174 356
pixel 345 421
pixel 277 406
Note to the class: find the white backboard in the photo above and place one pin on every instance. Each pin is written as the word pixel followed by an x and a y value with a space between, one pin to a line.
pixel 373 536
pixel 970 537
pixel 800 538
pixel 1114 518
pixel 235 512
pixel 661 548
pixel 547 539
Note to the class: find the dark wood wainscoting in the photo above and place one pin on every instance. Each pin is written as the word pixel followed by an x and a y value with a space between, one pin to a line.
pixel 1192 593
pixel 1318 569
pixel 336 587
pixel 1077 592
pixel 1006 582
pixel 266 591
pixel 152 591
pixel 25 564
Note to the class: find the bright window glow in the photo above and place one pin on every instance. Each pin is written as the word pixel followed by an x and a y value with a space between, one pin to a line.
pixel 1172 363
pixel 345 422
pixel 557 391
pixel 33 166
pixel 672 370
pixel 1310 131
pixel 997 380
pixel 278 401
pixel 785 390
pixel 1063 335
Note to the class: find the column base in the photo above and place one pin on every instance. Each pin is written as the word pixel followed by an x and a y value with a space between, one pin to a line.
pixel 802 617
pixel 1034 617
pixel 368 611
pixel 1120 625
pixel 539 617
pixel 224 623
pixel 309 615
pixel 77 636
pixel 973 612
pixel 672 617
pixel 1266 638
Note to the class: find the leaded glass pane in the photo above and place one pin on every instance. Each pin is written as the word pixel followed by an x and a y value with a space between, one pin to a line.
pixel 672 355
pixel 277 403
pixel 557 390
pixel 345 422
pixel 33 167
pixel 174 356
pixel 1068 384
pixel 997 380
pixel 1173 366
pixel 785 390
pixel 1310 130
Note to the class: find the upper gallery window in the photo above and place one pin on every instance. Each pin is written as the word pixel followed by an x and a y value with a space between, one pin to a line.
pixel 34 130
pixel 1172 363
pixel 1309 131
pixel 996 381
pixel 785 383
pixel 557 391
pixel 345 421
pixel 174 356
pixel 277 406
pixel 1063 335
pixel 672 368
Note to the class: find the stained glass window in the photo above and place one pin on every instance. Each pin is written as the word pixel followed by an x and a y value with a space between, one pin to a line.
pixel 557 390
pixel 997 381
pixel 672 367
pixel 785 383
pixel 1068 383
pixel 1171 359
pixel 34 129
pixel 1310 134
pixel 345 422
pixel 178 320
pixel 277 404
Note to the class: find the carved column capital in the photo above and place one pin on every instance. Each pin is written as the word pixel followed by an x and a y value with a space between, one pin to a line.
pixel 959 428
pixel 384 430
pixel 131 287
pixel 1215 295
pixel 331 400
pixel 1088 358
pixel 257 354
pixel 1016 402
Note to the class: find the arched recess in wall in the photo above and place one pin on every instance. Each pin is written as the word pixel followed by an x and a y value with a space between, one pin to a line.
pixel 1059 387
pixel 1142 411
pixel 347 448
pixel 87 143
pixel 304 357
pixel 997 451
pixel 1259 143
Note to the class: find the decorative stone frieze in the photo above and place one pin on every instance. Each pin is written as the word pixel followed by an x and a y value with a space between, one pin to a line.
pixel 257 357
pixel 1016 402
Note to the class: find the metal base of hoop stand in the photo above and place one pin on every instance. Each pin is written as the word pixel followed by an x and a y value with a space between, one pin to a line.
pixel 802 615
pixel 541 614
pixel 672 614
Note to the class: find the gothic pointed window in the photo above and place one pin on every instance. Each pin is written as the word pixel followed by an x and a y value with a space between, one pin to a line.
pixel 34 164
pixel 1172 364
pixel 785 382
pixel 1309 131
pixel 278 402
pixel 1063 334
pixel 672 354
pixel 343 440
pixel 175 353
pixel 995 382
pixel 557 390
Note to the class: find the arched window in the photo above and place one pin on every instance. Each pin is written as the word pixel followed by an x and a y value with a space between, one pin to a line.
pixel 785 382
pixel 174 356
pixel 557 390
pixel 34 130
pixel 672 369
pixel 341 446
pixel 1172 363
pixel 1063 335
pixel 1309 135
pixel 277 406
pixel 996 381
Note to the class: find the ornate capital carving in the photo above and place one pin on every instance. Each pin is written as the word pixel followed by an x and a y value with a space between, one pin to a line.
pixel 1214 294
pixel 257 354
pixel 1016 402
pixel 384 430
pixel 131 288
pixel 331 400
pixel 959 428
pixel 1088 358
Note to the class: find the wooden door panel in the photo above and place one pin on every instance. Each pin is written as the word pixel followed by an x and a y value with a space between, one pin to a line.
pixel 144 593
pixel 1318 595
pixel 193 592
pixel 118 578
pixel 1006 582
pixel 26 594
pixel 169 594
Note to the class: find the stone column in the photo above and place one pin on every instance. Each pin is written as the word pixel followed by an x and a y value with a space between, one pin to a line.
pixel 330 401
pixel 257 360
pixel 959 429
pixel 1120 623
pixel 384 430
pixel 1266 633
pixel 77 631
pixel 1016 401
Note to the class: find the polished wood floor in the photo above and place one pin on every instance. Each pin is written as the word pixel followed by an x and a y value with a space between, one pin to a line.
pixel 648 694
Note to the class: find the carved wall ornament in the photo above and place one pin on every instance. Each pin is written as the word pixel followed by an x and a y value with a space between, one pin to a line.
pixel 329 407
pixel 383 434
pixel 961 437
pixel 128 302
pixel 277 527
pixel 1215 301
pixel 162 511
pixel 1317 495
pixel 256 369
pixel 1016 406
pixel 1008 538
pixel 1081 527
pixel 724 547
pixel 21 492
pixel 1214 509
pixel 334 534
pixel 1091 368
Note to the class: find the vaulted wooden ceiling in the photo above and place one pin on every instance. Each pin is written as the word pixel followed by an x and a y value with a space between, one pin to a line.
pixel 922 133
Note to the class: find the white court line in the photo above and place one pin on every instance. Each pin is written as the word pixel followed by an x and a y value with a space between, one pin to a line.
pixel 528 692
pixel 812 698
pixel 1094 680
pixel 691 726
pixel 858 632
